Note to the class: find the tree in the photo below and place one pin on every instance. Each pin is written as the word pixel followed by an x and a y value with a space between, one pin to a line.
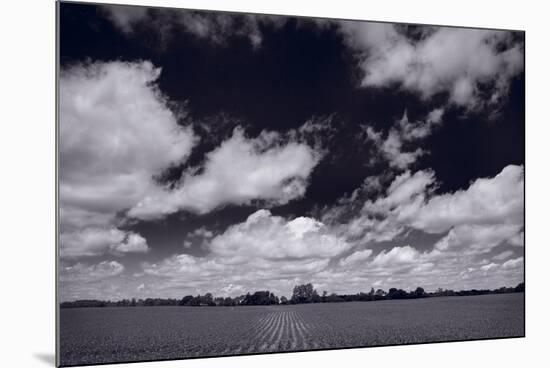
pixel 520 288
pixel 228 302
pixel 380 292
pixel 333 298
pixel 208 299
pixel 304 294
pixel 284 300
pixel 186 300
pixel 419 292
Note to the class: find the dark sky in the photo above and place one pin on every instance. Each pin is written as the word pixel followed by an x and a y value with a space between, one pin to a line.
pixel 303 69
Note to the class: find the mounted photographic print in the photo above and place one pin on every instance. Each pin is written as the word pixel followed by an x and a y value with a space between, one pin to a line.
pixel 233 183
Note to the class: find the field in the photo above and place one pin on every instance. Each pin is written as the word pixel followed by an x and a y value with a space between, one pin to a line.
pixel 101 335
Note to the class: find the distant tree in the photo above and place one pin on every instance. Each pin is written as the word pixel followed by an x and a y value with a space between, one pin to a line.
pixel 228 302
pixel 186 300
pixel 304 294
pixel 394 293
pixel 419 292
pixel 520 288
pixel 324 297
pixel 284 300
pixel 334 298
pixel 208 299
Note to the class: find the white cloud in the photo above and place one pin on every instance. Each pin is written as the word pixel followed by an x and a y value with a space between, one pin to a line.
pixel 486 214
pixel 116 134
pixel 125 17
pixel 489 267
pixel 443 59
pixel 478 237
pixel 134 243
pixel 404 132
pixel 263 252
pixel 96 241
pixel 502 256
pixel 90 273
pixel 396 256
pixel 497 200
pixel 513 263
pixel 357 257
pixel 239 171
pixel 202 232
pixel 263 235
pixel 217 28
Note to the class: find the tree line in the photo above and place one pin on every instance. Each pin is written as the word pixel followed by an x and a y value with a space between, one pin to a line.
pixel 301 294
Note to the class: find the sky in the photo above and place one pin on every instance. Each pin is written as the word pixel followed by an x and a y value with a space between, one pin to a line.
pixel 220 152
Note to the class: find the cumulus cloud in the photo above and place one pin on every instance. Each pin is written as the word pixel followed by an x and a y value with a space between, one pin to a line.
pixel 96 241
pixel 459 62
pixel 397 255
pixel 357 257
pixel 404 132
pixel 497 200
pixel 481 237
pixel 265 251
pixel 240 170
pixel 264 235
pixel 486 214
pixel 116 133
pixel 90 273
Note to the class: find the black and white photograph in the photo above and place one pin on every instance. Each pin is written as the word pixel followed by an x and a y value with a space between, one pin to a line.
pixel 234 183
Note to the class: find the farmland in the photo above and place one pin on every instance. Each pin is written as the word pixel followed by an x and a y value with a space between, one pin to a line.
pixel 101 335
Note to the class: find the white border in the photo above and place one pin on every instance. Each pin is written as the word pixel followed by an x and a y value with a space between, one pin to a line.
pixel 27 183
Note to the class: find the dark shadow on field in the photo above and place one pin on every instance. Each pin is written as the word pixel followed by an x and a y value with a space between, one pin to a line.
pixel 47 358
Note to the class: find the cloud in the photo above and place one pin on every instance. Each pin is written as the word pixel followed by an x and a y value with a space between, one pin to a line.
pixel 96 241
pixel 263 235
pixel 116 133
pixel 90 273
pixel 513 263
pixel 517 240
pixel 397 255
pixel 489 267
pixel 469 65
pixel 497 200
pixel 502 256
pixel 225 277
pixel 486 214
pixel 265 251
pixel 215 27
pixel 404 132
pixel 478 237
pixel 239 171
pixel 357 257
pixel 202 232
pixel 387 216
